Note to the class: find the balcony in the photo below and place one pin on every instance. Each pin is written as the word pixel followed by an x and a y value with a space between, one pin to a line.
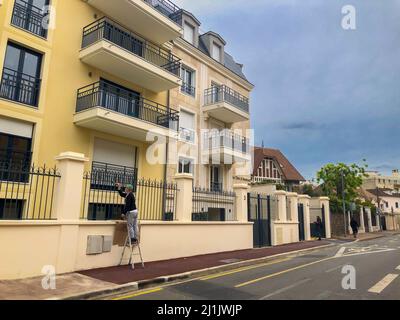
pixel 29 17
pixel 225 104
pixel 226 147
pixel 110 47
pixel 19 87
pixel 153 19
pixel 115 110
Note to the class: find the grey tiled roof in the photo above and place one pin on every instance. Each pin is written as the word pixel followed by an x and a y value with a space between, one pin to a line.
pixel 228 63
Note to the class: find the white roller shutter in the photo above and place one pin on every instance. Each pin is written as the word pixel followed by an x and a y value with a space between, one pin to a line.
pixel 114 153
pixel 16 128
pixel 186 120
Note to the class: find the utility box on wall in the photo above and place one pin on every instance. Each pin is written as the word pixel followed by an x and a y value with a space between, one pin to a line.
pixel 98 244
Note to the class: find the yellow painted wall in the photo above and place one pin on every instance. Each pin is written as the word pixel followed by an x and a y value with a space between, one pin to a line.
pixel 62 75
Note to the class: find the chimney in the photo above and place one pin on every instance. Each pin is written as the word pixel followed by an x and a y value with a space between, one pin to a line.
pixel 395 173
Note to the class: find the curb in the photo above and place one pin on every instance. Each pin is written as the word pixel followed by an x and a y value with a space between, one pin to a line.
pixel 143 284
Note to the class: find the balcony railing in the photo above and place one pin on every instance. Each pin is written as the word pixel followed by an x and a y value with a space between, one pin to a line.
pixel 30 18
pixel 226 139
pixel 118 99
pixel 188 89
pixel 188 135
pixel 106 29
pixel 225 94
pixel 165 7
pixel 19 87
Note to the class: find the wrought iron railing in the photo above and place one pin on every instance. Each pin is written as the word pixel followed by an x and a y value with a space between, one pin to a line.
pixel 155 200
pixel 30 18
pixel 106 29
pixel 166 7
pixel 120 100
pixel 226 139
pixel 27 193
pixel 188 89
pixel 104 175
pixel 216 186
pixel 209 205
pixel 225 94
pixel 19 87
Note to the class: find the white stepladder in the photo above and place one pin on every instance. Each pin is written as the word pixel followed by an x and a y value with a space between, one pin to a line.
pixel 132 247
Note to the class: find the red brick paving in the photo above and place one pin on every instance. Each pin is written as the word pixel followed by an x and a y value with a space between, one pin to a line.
pixel 124 274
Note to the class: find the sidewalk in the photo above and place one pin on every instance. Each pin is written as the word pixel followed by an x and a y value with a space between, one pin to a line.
pixel 366 236
pixel 94 282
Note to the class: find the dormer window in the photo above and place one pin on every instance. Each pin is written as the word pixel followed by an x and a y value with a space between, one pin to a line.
pixel 216 52
pixel 188 32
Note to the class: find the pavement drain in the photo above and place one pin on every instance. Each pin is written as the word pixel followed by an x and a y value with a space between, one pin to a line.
pixel 228 261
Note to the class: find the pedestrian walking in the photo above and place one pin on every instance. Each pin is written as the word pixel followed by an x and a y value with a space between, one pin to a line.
pixel 129 210
pixel 319 225
pixel 354 226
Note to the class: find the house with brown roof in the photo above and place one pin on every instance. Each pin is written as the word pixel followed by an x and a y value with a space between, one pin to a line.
pixel 271 167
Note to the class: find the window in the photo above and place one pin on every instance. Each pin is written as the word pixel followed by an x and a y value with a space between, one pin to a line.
pixel 11 209
pixel 185 165
pixel 119 98
pixel 397 205
pixel 188 81
pixel 216 52
pixel 20 80
pixel 187 126
pixel 15 154
pixel 216 179
pixel 31 15
pixel 188 32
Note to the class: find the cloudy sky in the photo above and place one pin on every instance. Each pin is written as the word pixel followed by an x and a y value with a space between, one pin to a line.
pixel 322 94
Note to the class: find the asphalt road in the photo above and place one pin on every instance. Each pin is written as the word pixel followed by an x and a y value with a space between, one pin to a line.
pixel 316 275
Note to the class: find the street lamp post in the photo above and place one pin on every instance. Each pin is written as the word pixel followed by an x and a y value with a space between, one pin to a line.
pixel 344 204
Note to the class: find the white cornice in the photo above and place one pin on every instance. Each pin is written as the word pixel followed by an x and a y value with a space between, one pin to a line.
pixel 198 54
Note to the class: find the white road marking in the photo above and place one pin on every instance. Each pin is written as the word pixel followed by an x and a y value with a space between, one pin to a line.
pixel 335 268
pixel 340 252
pixel 285 289
pixel 381 285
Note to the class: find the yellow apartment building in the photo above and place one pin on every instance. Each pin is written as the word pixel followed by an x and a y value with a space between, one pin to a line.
pixel 94 77
pixel 94 82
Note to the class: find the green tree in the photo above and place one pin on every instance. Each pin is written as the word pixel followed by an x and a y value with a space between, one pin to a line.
pixel 330 177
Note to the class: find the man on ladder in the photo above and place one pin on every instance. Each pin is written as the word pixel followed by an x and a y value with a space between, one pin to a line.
pixel 131 213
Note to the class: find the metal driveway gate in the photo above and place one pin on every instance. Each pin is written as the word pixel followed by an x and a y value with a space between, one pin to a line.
pixel 302 236
pixel 259 210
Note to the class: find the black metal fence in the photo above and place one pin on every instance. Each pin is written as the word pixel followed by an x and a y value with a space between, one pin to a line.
pixel 27 192
pixel 29 17
pixel 19 87
pixel 107 29
pixel 209 205
pixel 155 200
pixel 118 99
pixel 226 94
